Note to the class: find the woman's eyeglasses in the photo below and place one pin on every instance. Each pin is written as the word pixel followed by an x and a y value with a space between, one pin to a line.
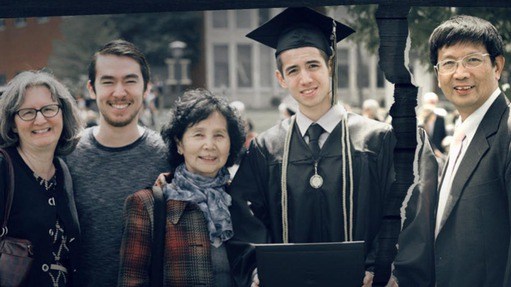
pixel 29 114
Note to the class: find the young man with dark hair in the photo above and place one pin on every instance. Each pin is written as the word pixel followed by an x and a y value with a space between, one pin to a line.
pixel 114 159
pixel 324 174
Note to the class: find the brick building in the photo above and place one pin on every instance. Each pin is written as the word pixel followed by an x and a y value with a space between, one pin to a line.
pixel 25 44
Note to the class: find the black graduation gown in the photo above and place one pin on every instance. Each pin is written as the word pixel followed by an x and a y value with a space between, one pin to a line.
pixel 314 215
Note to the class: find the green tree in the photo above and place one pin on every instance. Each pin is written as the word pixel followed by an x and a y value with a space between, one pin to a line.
pixel 153 32
pixel 422 21
pixel 82 36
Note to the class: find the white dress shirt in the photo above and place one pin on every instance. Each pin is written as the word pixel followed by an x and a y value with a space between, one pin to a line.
pixel 328 122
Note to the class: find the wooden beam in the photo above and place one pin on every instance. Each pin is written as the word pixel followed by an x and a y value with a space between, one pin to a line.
pixel 32 8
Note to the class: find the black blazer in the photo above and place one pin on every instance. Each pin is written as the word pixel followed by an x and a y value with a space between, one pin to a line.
pixel 473 239
pixel 471 248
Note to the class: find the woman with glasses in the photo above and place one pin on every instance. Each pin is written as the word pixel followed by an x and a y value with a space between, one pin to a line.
pixel 39 122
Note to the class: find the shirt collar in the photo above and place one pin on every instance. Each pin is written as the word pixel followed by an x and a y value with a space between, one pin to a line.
pixel 470 124
pixel 328 121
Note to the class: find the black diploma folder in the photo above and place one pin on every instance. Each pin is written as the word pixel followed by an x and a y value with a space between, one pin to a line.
pixel 311 264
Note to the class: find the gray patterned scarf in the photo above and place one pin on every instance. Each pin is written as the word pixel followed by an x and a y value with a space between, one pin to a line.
pixel 209 194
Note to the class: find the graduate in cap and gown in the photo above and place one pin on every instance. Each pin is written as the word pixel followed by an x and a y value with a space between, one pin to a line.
pixel 324 174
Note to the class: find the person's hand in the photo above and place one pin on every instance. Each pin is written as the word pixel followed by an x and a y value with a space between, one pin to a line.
pixel 255 280
pixel 392 282
pixel 162 179
pixel 368 279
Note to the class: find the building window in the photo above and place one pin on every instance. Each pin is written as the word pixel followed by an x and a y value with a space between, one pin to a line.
pixel 343 70
pixel 244 66
pixel 266 60
pixel 2 24
pixel 264 16
pixel 221 66
pixel 243 19
pixel 220 19
pixel 363 68
pixel 20 22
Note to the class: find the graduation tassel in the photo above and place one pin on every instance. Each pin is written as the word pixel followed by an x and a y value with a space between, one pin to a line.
pixel 347 164
pixel 283 181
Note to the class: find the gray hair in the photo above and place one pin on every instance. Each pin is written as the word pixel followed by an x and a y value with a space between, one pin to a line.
pixel 13 97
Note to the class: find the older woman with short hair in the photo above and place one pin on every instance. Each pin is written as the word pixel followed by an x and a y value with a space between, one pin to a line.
pixel 40 122
pixel 204 136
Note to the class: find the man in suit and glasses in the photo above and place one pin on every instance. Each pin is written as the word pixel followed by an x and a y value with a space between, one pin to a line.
pixel 468 223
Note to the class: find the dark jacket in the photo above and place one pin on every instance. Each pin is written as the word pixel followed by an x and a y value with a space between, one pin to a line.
pixel 187 247
pixel 472 245
pixel 33 216
pixel 473 239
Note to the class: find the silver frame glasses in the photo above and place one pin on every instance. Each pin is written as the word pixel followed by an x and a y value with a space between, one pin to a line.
pixel 42 110
pixel 465 61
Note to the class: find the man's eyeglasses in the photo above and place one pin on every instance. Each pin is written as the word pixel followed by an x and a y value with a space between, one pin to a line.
pixel 469 61
pixel 29 114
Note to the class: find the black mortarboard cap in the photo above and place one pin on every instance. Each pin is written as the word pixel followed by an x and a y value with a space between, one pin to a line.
pixel 299 27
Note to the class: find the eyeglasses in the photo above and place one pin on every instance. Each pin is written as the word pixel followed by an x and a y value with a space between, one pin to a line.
pixel 469 61
pixel 29 114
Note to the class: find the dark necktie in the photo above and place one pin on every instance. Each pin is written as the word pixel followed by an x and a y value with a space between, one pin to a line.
pixel 314 131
